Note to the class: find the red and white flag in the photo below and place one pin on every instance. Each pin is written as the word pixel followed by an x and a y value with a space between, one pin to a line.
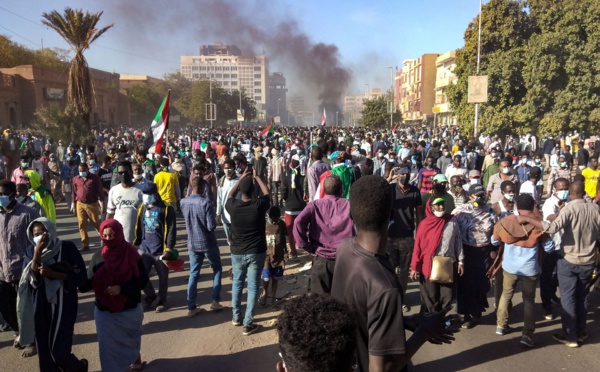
pixel 324 118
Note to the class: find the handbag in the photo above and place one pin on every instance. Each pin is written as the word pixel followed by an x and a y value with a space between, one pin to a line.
pixel 442 270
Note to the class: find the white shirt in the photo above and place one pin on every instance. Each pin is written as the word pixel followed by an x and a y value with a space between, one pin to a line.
pixel 550 207
pixel 124 204
pixel 528 187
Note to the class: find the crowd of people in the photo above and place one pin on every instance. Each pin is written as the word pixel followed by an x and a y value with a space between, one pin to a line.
pixel 374 208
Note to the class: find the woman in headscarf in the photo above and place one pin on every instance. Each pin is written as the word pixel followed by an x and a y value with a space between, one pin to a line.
pixel 476 221
pixel 437 235
pixel 41 194
pixel 54 169
pixel 117 278
pixel 47 303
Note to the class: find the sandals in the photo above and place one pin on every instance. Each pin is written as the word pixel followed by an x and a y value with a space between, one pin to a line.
pixel 29 351
pixel 135 367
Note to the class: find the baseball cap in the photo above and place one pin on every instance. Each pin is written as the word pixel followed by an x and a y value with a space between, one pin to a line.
pixel 476 189
pixel 474 174
pixel 440 178
pixel 438 201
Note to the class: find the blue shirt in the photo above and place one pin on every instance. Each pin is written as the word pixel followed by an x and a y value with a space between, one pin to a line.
pixel 200 222
pixel 522 261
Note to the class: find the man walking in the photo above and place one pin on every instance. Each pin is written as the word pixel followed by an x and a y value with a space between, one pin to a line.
pixel 248 245
pixel 125 201
pixel 87 192
pixel 320 228
pixel 199 215
pixel 315 171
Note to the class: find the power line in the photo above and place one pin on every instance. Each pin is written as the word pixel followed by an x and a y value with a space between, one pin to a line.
pixel 95 44
pixel 21 36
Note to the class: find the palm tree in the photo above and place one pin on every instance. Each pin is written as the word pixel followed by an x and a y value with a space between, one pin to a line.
pixel 79 30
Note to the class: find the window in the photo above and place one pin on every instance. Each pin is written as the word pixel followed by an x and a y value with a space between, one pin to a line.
pixel 256 68
pixel 226 68
pixel 257 98
pixel 218 76
pixel 195 68
pixel 234 76
pixel 226 76
pixel 257 76
pixel 257 91
pixel 225 83
pixel 195 76
pixel 257 83
pixel 203 76
pixel 234 83
pixel 233 68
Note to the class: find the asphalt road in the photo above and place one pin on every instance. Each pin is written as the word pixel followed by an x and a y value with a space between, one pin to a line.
pixel 209 342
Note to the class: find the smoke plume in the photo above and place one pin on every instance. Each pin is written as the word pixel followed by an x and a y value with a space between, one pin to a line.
pixel 315 67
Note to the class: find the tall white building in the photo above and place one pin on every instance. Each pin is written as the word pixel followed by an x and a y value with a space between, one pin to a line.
pixel 226 65
pixel 445 76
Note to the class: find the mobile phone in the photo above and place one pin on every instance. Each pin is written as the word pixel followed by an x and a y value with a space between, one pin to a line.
pixel 397 171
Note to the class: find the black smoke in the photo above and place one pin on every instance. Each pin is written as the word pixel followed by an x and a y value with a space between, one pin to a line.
pixel 252 26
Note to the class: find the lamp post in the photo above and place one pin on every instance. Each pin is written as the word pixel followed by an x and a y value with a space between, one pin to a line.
pixel 392 97
pixel 336 119
pixel 278 100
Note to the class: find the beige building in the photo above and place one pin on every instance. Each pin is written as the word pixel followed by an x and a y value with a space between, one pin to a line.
pixel 445 76
pixel 24 89
pixel 353 105
pixel 226 65
pixel 415 89
pixel 128 81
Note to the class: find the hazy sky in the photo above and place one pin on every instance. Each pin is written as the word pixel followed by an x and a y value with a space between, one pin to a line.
pixel 149 36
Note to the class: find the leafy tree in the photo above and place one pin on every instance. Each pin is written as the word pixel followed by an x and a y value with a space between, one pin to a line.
pixel 59 123
pixel 144 101
pixel 375 114
pixel 506 28
pixel 14 54
pixel 79 30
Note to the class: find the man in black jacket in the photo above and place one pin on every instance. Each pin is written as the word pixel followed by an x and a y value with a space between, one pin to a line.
pixel 293 197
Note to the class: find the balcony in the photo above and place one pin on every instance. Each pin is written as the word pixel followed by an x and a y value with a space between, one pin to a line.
pixel 441 108
pixel 442 82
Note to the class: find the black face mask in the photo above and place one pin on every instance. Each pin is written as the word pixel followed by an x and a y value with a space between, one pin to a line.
pixel 126 177
pixel 439 188
pixel 404 179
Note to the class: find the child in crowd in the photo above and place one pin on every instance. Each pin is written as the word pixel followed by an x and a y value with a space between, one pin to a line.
pixel 276 254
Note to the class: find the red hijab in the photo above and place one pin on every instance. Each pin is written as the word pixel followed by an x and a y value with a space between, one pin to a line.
pixel 120 265
pixel 429 235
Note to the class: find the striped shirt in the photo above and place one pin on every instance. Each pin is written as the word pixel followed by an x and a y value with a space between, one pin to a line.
pixel 425 177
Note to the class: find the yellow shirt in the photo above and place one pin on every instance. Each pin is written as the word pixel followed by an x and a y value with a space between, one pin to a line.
pixel 591 181
pixel 166 183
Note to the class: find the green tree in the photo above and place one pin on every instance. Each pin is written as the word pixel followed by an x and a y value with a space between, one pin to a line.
pixel 562 71
pixel 375 114
pixel 144 101
pixel 506 28
pixel 14 54
pixel 79 30
pixel 59 123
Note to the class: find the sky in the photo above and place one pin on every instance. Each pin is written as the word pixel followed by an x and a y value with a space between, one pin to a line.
pixel 149 36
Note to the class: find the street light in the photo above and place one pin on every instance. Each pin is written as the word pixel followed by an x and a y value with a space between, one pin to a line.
pixel 278 100
pixel 475 128
pixel 336 118
pixel 392 97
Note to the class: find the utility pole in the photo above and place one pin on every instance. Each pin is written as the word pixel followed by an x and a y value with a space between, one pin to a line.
pixel 475 129
pixel 392 96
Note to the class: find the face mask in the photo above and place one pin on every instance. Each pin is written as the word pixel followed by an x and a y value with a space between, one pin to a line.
pixel 24 165
pixel 36 239
pixel 235 149
pixel 506 170
pixel 380 154
pixel 189 153
pixel 92 162
pixel 52 159
pixel 20 199
pixel 446 153
pixel 238 170
pixel 83 174
pixel 439 214
pixel 563 164
pixel 537 161
pixel 523 161
pixel 229 173
pixel 474 181
pixel 138 176
pixel 4 200
pixel 126 177
pixel 509 197
pixel 439 188
pixel 148 199
pixel 562 194
pixel 403 179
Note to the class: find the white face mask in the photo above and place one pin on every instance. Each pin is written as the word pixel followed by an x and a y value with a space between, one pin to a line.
pixel 439 214
pixel 563 164
pixel 506 170
pixel 562 194
pixel 138 176
pixel 474 181
pixel 148 199
pixel 509 197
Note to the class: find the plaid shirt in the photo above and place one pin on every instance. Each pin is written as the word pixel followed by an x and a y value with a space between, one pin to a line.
pixel 200 222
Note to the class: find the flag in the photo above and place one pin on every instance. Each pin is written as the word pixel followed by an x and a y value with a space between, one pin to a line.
pixel 395 126
pixel 155 135
pixel 323 118
pixel 268 130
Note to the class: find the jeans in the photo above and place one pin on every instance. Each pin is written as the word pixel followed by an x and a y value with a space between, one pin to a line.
pixel 249 265
pixel 574 283
pixel 196 258
pixel 548 280
pixel 400 251
pixel 528 287
pixel 227 229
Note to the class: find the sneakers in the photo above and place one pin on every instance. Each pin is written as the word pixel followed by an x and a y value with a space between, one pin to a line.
pixel 236 322
pixel 502 331
pixel 192 313
pixel 250 329
pixel 563 340
pixel 161 306
pixel 216 306
pixel 262 301
pixel 405 308
pixel 527 341
pixel 582 338
pixel 548 314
